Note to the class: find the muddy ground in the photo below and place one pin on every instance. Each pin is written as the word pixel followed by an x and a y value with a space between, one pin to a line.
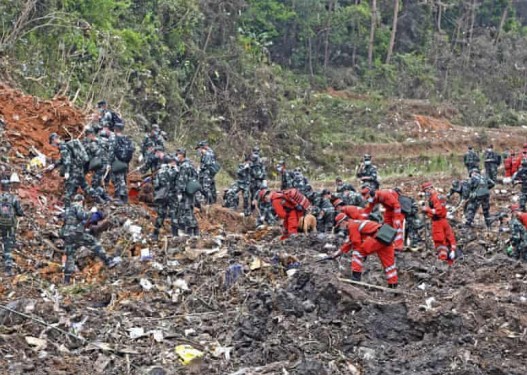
pixel 229 296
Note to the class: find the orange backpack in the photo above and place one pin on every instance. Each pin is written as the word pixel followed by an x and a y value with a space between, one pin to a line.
pixel 297 198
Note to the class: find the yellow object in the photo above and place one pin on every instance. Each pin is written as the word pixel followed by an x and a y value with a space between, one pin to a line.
pixel 37 162
pixel 187 354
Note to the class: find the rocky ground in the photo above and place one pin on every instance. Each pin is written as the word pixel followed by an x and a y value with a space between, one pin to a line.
pixel 233 296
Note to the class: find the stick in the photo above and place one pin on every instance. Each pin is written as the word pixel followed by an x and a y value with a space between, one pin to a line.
pixel 43 323
pixel 395 291
pixel 67 131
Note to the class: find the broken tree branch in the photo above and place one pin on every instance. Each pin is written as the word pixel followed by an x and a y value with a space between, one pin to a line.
pixel 395 291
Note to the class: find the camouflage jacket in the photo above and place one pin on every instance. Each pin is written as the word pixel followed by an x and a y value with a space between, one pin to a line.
pixel 258 171
pixel 286 180
pixel 243 174
pixel 471 159
pixel 152 141
pixel 207 161
pixel 74 219
pixel 187 172
pixel 518 232
pixel 166 177
pixel 521 176
pixel 13 201
pixel 368 173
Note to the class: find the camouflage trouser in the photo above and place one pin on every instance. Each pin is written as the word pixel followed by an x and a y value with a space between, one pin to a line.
pixel 208 187
pixel 119 184
pixel 97 178
pixel 326 222
pixel 8 241
pixel 413 225
pixel 186 215
pixel 523 200
pixel 267 214
pixel 231 196
pixel 254 188
pixel 164 210
pixel 76 180
pixel 73 241
pixel 491 171
pixel 473 206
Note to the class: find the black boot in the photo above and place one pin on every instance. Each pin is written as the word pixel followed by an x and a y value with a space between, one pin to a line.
pixel 155 235
pixel 9 271
pixel 356 276
pixel 392 286
pixel 175 231
pixel 67 279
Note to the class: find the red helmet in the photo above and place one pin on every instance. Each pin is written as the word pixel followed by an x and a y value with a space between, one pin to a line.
pixel 365 190
pixel 515 207
pixel 426 185
pixel 262 194
pixel 337 202
pixel 340 218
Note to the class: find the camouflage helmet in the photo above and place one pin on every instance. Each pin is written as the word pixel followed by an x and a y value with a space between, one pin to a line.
pixel 52 137
pixel 78 198
pixel 201 144
pixel 119 125
pixel 155 127
pixel 89 130
pixel 101 103
pixel 367 157
pixel 181 151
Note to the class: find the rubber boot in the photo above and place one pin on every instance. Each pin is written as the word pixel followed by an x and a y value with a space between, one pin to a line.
pixel 175 231
pixel 67 279
pixel 9 271
pixel 392 286
pixel 356 276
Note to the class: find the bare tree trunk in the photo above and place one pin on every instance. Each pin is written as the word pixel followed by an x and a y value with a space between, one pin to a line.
pixel 439 15
pixel 471 30
pixel 331 6
pixel 502 21
pixel 372 32
pixel 310 56
pixel 394 30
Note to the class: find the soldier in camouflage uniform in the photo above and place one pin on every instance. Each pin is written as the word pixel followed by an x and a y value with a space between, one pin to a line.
pixel 75 235
pixel 242 184
pixel 72 168
pixel 187 173
pixel 326 216
pixel 207 171
pixel 520 177
pixel 9 209
pixel 286 177
pixel 471 159
pixel 479 196
pixel 152 140
pixel 97 148
pixel 165 196
pixel 518 233
pixel 348 194
pixel 119 178
pixel 300 182
pixel 367 172
pixel 492 162
pixel 106 116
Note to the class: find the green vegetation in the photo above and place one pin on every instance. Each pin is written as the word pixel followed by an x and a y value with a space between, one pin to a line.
pixel 246 71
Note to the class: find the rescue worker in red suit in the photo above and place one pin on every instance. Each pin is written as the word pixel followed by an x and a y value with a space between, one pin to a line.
pixel 508 164
pixel 285 209
pixel 353 212
pixel 516 163
pixel 442 233
pixel 361 239
pixel 393 216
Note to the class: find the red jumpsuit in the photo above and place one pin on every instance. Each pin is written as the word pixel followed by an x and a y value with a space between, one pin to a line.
pixel 508 164
pixel 362 240
pixel 286 211
pixel 353 212
pixel 442 233
pixel 523 218
pixel 392 214
pixel 517 162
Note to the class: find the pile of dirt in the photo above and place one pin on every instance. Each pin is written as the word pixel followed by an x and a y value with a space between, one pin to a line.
pixel 29 120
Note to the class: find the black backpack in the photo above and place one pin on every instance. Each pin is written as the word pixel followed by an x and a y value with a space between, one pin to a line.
pixel 124 149
pixel 7 213
pixel 116 119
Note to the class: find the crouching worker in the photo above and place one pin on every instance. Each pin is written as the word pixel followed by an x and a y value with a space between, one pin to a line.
pixel 366 237
pixel 289 205
pixel 75 235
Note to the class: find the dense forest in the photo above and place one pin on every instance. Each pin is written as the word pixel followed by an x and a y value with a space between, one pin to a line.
pixel 254 69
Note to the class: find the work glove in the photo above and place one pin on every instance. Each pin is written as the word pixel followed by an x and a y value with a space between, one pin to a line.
pixel 94 210
pixel 179 197
pixel 452 255
pixel 472 195
pixel 140 159
pixel 66 176
pixel 49 168
pixel 299 207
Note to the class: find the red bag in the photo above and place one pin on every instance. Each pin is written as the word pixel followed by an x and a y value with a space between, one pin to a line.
pixel 297 198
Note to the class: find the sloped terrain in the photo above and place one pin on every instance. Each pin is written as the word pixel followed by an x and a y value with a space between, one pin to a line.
pixel 229 296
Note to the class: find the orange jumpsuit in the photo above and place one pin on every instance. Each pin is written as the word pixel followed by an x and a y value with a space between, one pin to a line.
pixel 442 233
pixel 353 212
pixel 516 163
pixel 361 238
pixel 392 214
pixel 508 163
pixel 286 210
